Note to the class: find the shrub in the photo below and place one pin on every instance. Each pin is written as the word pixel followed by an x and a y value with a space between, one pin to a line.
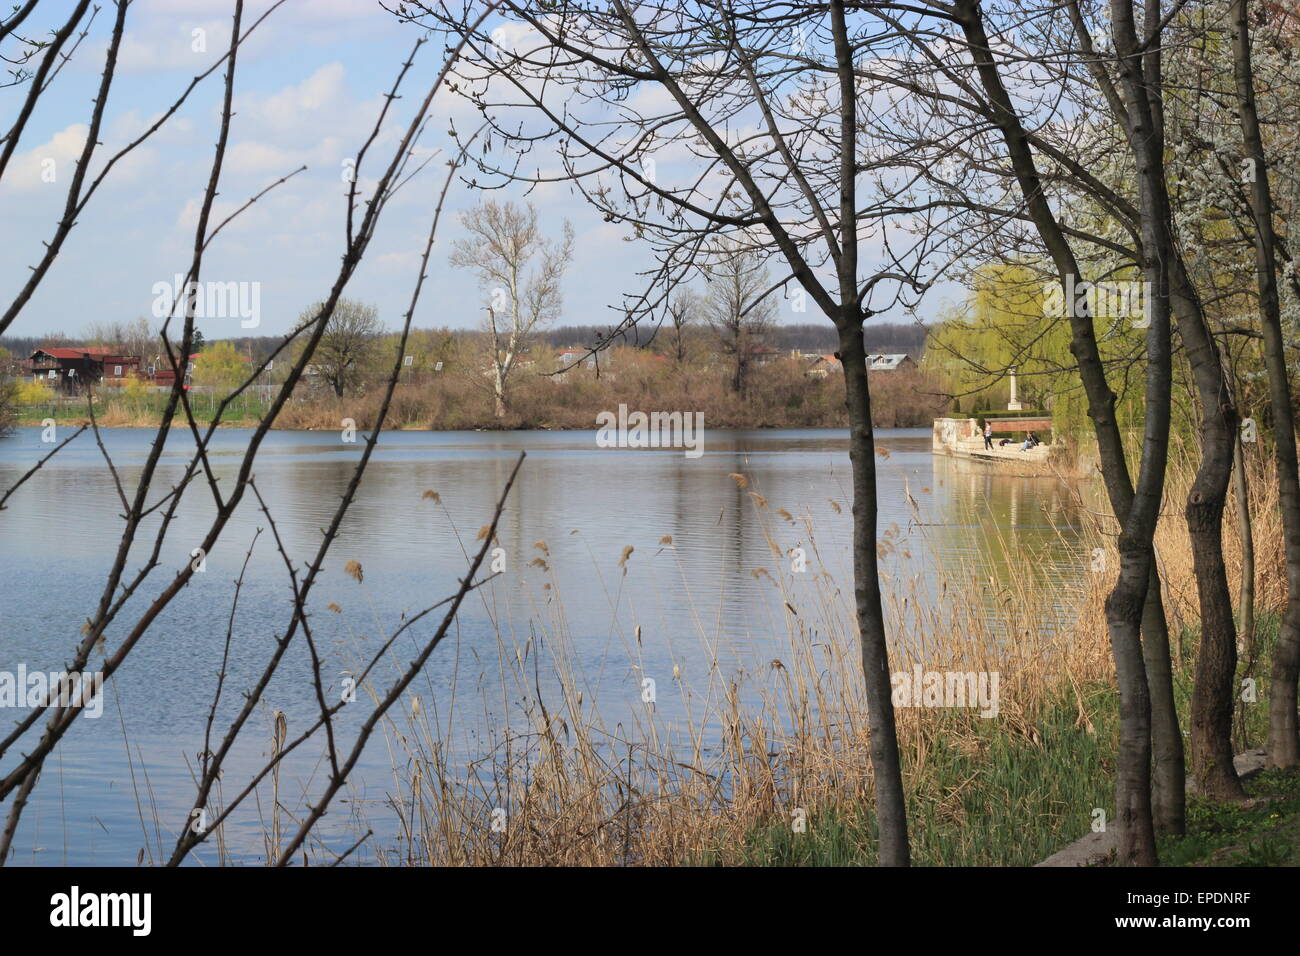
pixel 135 390
pixel 34 393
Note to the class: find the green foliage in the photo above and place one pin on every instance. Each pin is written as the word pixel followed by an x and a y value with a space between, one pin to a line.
pixel 219 366
pixel 994 795
pixel 8 403
pixel 351 352
pixel 135 390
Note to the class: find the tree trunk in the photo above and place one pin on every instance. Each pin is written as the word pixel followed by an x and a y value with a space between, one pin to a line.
pixel 1169 286
pixel 1124 609
pixel 1283 736
pixel 1169 768
pixel 499 393
pixel 1127 607
pixel 891 811
pixel 1216 663
pixel 891 804
pixel 1246 601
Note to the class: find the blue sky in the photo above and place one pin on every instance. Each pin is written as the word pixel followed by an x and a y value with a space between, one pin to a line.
pixel 308 89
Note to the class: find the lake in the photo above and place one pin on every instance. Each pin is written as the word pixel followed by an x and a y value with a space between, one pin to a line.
pixel 693 602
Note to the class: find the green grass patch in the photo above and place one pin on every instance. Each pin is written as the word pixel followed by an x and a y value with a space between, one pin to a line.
pixel 985 796
pixel 1264 831
pixel 142 412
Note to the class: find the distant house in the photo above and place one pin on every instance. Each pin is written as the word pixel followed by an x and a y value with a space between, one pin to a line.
pixel 823 365
pixel 159 370
pixel 567 357
pixel 890 363
pixel 763 354
pixel 77 368
pixel 819 366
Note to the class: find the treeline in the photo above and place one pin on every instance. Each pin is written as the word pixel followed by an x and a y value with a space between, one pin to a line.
pixel 909 337
pixel 447 387
pixel 447 379
pixel 780 394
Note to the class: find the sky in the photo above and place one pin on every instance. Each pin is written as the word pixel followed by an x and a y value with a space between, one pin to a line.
pixel 309 86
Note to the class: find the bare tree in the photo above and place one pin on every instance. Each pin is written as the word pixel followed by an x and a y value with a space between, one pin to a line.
pixel 504 242
pixel 8 393
pixel 738 307
pixel 137 338
pixel 682 310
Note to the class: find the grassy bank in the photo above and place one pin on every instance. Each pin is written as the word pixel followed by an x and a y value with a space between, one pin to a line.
pixel 987 795
pixel 142 412
pixel 983 795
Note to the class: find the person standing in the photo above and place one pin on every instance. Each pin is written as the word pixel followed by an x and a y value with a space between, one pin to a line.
pixel 988 434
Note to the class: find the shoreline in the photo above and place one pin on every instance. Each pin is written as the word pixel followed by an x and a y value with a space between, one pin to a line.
pixel 254 422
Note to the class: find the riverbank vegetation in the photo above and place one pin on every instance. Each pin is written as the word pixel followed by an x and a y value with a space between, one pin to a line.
pixel 786 779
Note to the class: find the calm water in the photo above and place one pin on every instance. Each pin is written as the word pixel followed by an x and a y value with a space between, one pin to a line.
pixel 121 783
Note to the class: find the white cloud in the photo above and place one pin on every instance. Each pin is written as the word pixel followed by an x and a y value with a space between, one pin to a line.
pixel 176 45
pixel 48 165
pixel 317 120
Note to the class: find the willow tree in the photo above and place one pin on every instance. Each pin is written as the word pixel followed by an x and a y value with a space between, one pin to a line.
pixel 1008 322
